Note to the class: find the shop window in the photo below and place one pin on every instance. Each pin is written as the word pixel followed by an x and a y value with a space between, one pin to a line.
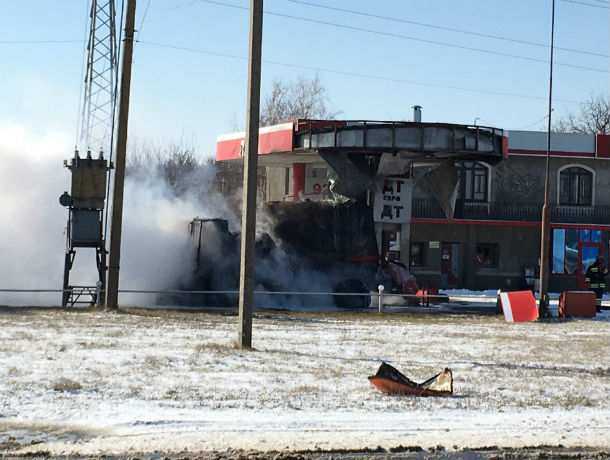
pixel 559 250
pixel 575 187
pixel 571 251
pixel 319 173
pixel 487 255
pixel 570 248
pixel 596 236
pixel 417 254
pixel 474 181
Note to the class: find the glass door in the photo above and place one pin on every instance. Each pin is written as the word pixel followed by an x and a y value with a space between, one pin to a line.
pixel 587 253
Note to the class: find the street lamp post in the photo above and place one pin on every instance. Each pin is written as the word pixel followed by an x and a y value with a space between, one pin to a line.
pixel 546 221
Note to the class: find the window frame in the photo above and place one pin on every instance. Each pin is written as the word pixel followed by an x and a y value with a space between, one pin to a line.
pixel 585 171
pixel 495 256
pixel 422 254
pixel 477 170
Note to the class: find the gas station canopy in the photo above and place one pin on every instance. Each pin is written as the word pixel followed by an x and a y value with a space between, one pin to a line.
pixel 307 139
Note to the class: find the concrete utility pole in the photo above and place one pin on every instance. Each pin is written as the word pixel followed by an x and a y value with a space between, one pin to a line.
pixel 543 310
pixel 248 219
pixel 112 296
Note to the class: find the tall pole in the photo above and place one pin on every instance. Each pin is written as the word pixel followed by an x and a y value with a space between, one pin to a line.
pixel 248 218
pixel 112 296
pixel 546 221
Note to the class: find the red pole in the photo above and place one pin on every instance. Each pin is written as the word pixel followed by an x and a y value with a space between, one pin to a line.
pixel 298 180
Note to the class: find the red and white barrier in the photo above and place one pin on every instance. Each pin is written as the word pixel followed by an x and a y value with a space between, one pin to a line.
pixel 519 306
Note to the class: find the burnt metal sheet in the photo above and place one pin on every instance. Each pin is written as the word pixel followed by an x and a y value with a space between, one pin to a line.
pixel 354 175
pixel 390 380
pixel 442 182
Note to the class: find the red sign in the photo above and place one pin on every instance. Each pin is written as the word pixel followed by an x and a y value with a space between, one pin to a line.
pixel 271 139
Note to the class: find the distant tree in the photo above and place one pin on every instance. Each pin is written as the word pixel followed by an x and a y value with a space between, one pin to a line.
pixel 185 172
pixel 593 118
pixel 179 164
pixel 303 98
pixel 175 164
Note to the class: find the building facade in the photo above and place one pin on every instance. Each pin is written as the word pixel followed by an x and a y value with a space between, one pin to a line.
pixel 493 241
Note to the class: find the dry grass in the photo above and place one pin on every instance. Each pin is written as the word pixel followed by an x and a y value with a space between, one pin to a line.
pixel 24 335
pixel 303 390
pixel 65 384
pixel 102 344
pixel 215 347
pixel 13 372
pixel 155 362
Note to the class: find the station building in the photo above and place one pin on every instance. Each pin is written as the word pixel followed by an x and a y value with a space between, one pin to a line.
pixel 481 231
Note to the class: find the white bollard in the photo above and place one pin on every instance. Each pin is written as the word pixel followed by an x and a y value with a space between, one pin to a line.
pixel 380 288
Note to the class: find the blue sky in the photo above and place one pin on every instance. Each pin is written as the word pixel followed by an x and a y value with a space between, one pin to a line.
pixel 194 96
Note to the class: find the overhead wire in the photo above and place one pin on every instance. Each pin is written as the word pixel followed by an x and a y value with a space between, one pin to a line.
pixel 593 5
pixel 403 37
pixel 114 105
pixel 445 28
pixel 82 82
pixel 350 74
pixel 37 42
pixel 144 15
pixel 530 125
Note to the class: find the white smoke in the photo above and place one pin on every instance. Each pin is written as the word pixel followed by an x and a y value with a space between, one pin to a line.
pixel 156 251
pixel 31 220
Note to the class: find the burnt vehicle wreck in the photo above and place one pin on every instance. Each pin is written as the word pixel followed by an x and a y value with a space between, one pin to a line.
pixel 335 252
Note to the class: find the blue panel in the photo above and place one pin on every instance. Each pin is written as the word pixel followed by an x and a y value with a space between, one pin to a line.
pixel 559 243
pixel 585 235
pixel 571 255
pixel 596 236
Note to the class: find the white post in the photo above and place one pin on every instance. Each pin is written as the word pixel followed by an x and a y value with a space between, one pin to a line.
pixel 98 294
pixel 380 289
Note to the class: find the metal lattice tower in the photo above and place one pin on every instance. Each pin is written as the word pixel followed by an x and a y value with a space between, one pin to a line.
pixel 97 122
pixel 86 201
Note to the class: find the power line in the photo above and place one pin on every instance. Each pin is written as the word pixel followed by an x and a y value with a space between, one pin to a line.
pixel 139 31
pixel 445 28
pixel 404 37
pixel 37 42
pixel 533 124
pixel 353 74
pixel 114 104
pixel 593 5
pixel 82 80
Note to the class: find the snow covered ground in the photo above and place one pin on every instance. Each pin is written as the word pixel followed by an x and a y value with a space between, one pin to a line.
pixel 490 296
pixel 91 383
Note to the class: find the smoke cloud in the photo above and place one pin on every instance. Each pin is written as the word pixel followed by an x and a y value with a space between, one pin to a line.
pixel 31 226
pixel 156 251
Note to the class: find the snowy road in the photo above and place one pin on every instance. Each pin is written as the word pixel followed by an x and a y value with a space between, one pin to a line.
pixel 90 383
